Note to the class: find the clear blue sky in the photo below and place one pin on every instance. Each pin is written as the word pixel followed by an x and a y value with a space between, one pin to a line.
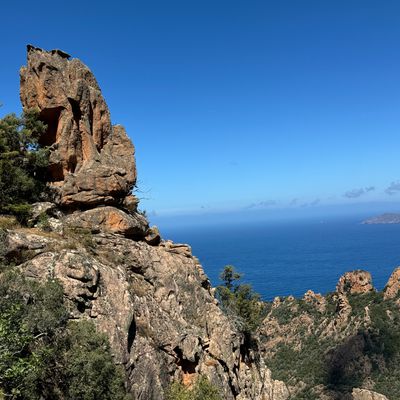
pixel 235 105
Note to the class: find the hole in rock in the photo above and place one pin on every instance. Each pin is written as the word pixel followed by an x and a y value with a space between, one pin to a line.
pixel 76 111
pixel 51 117
pixel 131 334
pixel 71 163
pixel 81 307
pixel 188 367
pixel 56 173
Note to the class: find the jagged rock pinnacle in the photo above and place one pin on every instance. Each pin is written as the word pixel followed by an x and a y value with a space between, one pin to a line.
pixel 91 162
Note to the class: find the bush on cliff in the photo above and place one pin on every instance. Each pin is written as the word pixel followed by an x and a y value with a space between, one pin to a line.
pixel 22 163
pixel 201 390
pixel 42 355
pixel 240 301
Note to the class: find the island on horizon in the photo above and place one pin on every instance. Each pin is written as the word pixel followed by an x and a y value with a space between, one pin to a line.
pixel 386 218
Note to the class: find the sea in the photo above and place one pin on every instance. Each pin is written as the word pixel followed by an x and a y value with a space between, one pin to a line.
pixel 281 258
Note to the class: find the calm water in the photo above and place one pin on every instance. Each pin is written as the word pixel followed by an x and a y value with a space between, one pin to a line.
pixel 279 259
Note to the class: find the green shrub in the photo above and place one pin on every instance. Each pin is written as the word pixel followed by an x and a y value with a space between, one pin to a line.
pixel 23 163
pixel 87 358
pixel 43 222
pixel 240 301
pixel 42 355
pixel 202 390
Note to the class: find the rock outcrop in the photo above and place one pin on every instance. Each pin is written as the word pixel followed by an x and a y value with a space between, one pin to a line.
pixel 91 161
pixel 156 306
pixel 355 282
pixel 393 285
pixel 322 345
pixel 149 296
pixel 109 220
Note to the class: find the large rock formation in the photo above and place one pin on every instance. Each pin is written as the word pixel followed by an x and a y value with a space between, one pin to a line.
pixel 91 162
pixel 150 296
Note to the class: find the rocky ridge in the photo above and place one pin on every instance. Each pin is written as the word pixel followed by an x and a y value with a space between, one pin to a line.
pixel 332 347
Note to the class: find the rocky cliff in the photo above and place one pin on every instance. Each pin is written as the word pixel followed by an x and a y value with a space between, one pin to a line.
pixel 150 296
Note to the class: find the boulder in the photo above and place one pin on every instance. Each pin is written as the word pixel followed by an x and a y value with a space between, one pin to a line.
pixel 131 203
pixel 91 161
pixel 153 236
pixel 355 282
pixel 109 220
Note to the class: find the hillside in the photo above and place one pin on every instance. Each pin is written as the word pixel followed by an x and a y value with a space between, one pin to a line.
pixel 324 347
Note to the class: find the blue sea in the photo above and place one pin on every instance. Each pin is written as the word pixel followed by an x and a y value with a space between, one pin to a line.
pixel 288 258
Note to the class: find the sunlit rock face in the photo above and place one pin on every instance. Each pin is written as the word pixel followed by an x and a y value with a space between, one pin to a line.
pixel 355 282
pixel 149 296
pixel 91 161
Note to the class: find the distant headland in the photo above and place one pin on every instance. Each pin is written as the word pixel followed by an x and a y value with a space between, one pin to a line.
pixel 387 218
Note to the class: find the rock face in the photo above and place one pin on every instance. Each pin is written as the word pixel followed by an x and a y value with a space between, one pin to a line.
pixel 355 282
pixel 110 220
pixel 91 161
pixel 393 286
pixel 156 306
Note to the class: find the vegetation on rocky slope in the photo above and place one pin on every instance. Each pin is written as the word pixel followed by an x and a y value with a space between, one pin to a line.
pixel 240 301
pixel 201 390
pixel 42 354
pixel 318 351
pixel 22 163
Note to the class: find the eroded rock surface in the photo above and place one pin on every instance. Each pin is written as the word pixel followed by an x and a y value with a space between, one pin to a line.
pixel 355 282
pixel 91 161
pixel 155 304
pixel 393 286
pixel 109 220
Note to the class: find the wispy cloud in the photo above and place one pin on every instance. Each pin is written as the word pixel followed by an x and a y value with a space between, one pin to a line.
pixel 262 204
pixel 355 193
pixel 294 202
pixel 315 202
pixel 393 188
pixel 311 203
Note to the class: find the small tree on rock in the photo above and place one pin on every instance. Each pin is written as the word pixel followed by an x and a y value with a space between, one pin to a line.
pixel 240 301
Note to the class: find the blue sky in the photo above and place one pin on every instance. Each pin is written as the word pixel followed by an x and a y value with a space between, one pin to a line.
pixel 236 105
